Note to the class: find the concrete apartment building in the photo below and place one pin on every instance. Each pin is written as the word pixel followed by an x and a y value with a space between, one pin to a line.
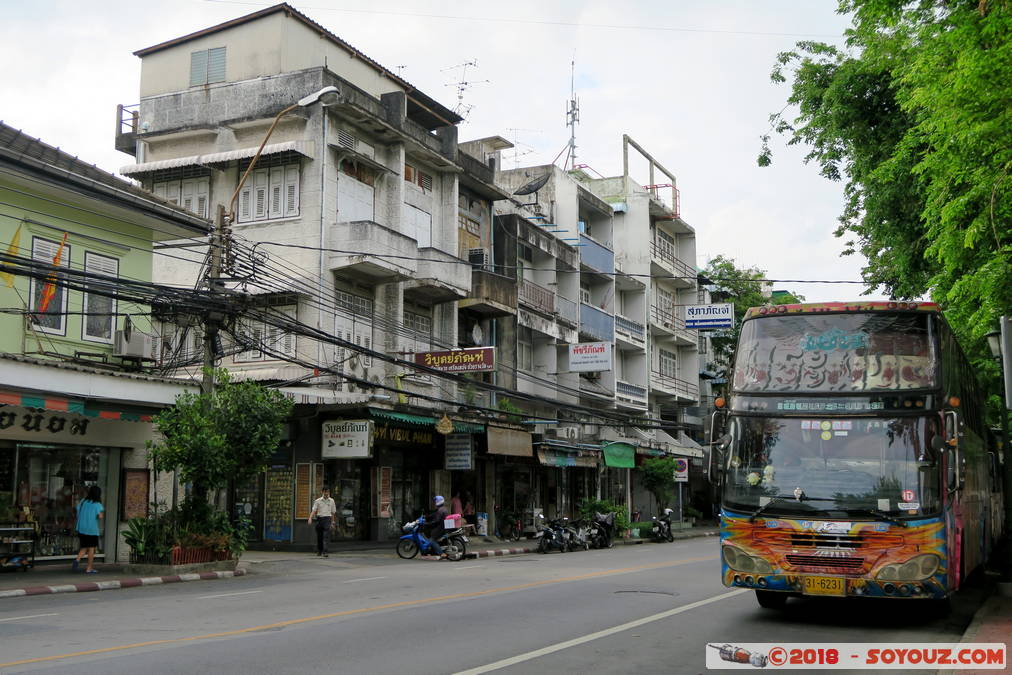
pixel 364 218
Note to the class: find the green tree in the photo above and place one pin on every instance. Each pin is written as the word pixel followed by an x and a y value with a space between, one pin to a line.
pixel 915 116
pixel 214 440
pixel 659 479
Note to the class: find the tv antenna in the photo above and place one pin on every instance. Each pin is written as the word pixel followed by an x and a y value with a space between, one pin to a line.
pixel 520 149
pixel 572 119
pixel 463 85
pixel 399 69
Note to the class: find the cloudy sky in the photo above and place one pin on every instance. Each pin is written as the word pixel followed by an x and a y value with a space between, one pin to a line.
pixel 688 80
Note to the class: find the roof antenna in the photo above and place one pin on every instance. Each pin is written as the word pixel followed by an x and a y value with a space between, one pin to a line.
pixel 573 113
pixel 463 85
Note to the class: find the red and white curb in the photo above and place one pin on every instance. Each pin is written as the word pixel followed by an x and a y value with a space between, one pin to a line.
pixel 119 583
pixel 496 552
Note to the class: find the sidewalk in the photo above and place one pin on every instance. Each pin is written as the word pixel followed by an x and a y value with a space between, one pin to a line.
pixel 46 579
pixel 991 623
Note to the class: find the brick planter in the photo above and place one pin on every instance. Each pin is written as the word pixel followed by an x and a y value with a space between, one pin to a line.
pixel 190 556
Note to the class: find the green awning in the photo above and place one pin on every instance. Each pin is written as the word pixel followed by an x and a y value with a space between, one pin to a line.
pixel 409 420
pixel 620 455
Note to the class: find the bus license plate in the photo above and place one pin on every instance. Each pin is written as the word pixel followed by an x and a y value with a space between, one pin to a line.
pixel 824 586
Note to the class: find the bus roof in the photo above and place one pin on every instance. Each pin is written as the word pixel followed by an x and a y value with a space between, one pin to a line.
pixel 843 307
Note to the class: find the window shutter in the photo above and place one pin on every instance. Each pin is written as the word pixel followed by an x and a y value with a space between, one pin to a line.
pixel 277 180
pixel 216 65
pixel 172 192
pixel 346 139
pixel 287 345
pixel 246 203
pixel 292 190
pixel 159 190
pixel 198 68
pixel 260 194
pixel 187 193
pixel 203 188
pixel 425 181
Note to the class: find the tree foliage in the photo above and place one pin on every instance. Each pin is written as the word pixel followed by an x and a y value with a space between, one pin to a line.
pixel 915 115
pixel 225 436
pixel 659 479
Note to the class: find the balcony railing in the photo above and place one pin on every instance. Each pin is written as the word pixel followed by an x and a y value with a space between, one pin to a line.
pixel 663 316
pixel 629 326
pixel 670 383
pixel 596 256
pixel 667 257
pixel 536 297
pixel 567 310
pixel 631 390
pixel 597 324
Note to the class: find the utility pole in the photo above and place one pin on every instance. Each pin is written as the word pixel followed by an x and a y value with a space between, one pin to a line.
pixel 211 321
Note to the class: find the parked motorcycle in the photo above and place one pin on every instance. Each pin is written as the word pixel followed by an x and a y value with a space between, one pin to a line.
pixel 579 535
pixel 661 529
pixel 552 535
pixel 602 530
pixel 453 542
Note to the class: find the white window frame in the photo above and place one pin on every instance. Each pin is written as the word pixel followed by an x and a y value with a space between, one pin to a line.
pixel 667 363
pixel 353 322
pixel 46 254
pixel 270 193
pixel 666 245
pixel 192 194
pixel 264 334
pixel 525 350
pixel 108 266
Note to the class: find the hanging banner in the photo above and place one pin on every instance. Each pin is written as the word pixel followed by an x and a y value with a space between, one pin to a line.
pixel 459 456
pixel 590 357
pixel 346 439
pixel 620 456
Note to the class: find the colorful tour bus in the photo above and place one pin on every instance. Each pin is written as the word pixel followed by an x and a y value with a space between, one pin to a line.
pixel 852 456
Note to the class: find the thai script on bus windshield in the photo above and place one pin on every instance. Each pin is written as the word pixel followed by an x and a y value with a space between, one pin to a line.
pixel 836 352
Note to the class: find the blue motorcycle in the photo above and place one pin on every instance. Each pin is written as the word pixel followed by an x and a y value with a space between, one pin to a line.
pixel 453 542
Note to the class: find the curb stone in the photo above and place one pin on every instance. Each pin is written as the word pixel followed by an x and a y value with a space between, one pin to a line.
pixel 116 584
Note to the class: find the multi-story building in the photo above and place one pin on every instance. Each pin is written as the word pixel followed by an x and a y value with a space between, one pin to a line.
pixel 77 342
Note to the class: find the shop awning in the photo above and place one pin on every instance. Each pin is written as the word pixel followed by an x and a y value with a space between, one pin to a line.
pixel 98 410
pixel 683 445
pixel 551 457
pixel 509 442
pixel 620 456
pixel 302 147
pixel 407 419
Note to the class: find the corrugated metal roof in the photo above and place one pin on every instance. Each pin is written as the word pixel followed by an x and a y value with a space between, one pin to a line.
pixel 302 147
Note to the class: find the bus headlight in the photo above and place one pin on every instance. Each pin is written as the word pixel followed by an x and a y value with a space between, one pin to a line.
pixel 740 561
pixel 916 569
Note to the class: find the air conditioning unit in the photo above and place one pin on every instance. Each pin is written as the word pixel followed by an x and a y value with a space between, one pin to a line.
pixel 138 346
pixel 569 433
pixel 479 258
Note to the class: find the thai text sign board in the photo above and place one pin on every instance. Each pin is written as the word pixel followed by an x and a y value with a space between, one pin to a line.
pixel 710 316
pixel 346 439
pixel 458 452
pixel 471 360
pixel 590 356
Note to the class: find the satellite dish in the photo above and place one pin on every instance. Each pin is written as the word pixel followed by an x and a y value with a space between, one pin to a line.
pixel 476 334
pixel 533 185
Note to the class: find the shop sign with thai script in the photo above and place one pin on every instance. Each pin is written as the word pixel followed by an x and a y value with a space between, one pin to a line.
pixel 590 356
pixel 346 439
pixel 458 452
pixel 710 316
pixel 471 360
pixel 43 423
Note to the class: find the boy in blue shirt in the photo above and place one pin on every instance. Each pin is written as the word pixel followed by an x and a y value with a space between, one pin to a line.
pixel 89 515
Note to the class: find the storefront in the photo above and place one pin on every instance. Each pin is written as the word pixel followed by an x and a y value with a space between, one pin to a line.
pixel 511 487
pixel 568 476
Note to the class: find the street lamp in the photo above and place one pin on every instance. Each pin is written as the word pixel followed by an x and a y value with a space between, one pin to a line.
pixel 327 96
pixel 994 344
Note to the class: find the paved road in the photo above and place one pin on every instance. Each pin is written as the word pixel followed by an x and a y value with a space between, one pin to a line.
pixel 649 609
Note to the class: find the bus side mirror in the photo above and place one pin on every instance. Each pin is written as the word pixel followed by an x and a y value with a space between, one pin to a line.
pixel 929 457
pixel 715 466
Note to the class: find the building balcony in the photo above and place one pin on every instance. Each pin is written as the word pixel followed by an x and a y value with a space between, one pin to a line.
pixel 567 311
pixel 664 321
pixel 536 297
pixel 441 277
pixel 668 263
pixel 372 244
pixel 665 384
pixel 596 257
pixel 596 324
pixel 630 332
pixel 630 395
pixel 491 294
pixel 126 128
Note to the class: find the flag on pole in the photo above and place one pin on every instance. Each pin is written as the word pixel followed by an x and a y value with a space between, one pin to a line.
pixel 12 250
pixel 49 290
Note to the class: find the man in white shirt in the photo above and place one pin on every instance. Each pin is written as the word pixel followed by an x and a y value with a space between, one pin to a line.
pixel 324 512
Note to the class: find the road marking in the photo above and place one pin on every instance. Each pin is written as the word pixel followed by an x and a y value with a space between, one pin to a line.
pixel 30 616
pixel 551 649
pixel 225 595
pixel 352 581
pixel 363 610
pixel 468 567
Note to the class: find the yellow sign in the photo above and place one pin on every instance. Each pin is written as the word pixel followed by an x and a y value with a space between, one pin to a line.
pixel 445 425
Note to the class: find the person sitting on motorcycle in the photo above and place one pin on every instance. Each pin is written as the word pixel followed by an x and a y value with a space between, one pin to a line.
pixel 435 522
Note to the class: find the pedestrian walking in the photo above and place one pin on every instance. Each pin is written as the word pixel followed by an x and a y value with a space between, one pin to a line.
pixel 89 515
pixel 324 512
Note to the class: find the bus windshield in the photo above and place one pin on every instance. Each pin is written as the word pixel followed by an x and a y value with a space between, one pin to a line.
pixel 860 352
pixel 835 465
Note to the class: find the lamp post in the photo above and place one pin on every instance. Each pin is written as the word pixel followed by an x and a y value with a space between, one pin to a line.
pixel 998 342
pixel 222 224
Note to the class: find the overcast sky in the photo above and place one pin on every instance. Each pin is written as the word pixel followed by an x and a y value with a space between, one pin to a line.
pixel 689 81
